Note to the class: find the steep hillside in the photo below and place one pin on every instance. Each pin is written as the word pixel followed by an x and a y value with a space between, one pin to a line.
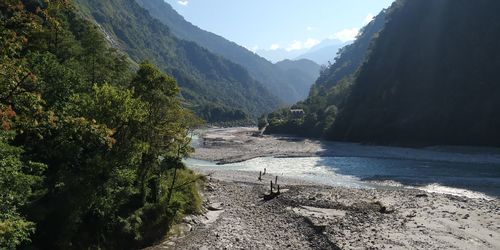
pixel 206 80
pixel 432 78
pixel 307 67
pixel 350 57
pixel 303 70
pixel 331 89
pixel 280 83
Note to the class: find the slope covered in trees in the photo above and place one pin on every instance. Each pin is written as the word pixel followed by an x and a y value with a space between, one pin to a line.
pixel 305 67
pixel 428 77
pixel 290 88
pixel 206 80
pixel 90 149
pixel 432 78
pixel 331 89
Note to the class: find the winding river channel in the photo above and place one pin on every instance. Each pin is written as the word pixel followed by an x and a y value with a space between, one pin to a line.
pixel 463 177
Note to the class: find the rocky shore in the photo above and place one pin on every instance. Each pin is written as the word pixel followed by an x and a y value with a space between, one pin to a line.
pixel 241 144
pixel 240 215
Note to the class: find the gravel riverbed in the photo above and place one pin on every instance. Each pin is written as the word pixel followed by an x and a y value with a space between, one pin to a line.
pixel 240 214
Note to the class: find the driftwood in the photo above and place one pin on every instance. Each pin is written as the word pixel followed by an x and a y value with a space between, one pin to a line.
pixel 273 194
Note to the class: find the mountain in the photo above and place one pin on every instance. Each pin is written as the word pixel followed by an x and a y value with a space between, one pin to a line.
pixel 332 88
pixel 208 81
pixel 304 66
pixel 432 78
pixel 350 57
pixel 324 52
pixel 303 70
pixel 321 53
pixel 288 88
pixel 280 54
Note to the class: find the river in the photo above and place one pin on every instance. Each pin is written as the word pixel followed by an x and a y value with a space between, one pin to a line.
pixel 464 177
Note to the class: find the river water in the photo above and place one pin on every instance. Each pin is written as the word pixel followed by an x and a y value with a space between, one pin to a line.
pixel 475 180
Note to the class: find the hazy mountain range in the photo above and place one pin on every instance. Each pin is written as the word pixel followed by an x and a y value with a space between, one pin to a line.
pixel 288 88
pixel 321 53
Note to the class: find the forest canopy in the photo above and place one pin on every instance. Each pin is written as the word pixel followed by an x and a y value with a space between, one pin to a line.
pixel 90 148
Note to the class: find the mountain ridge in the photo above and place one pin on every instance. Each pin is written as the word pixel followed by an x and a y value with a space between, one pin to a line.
pixel 429 82
pixel 286 87
pixel 206 79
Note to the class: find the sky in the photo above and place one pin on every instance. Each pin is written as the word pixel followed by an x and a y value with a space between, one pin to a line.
pixel 280 24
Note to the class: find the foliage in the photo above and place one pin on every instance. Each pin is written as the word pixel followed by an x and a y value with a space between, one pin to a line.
pixel 18 179
pixel 219 114
pixel 289 80
pixel 431 78
pixel 332 89
pixel 205 79
pixel 88 148
pixel 411 82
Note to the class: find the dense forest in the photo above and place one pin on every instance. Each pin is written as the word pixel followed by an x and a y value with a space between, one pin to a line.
pixel 331 89
pixel 288 87
pixel 93 134
pixel 432 78
pixel 207 81
pixel 428 77
pixel 90 144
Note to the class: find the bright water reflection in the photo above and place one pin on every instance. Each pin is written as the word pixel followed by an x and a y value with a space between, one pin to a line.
pixel 454 178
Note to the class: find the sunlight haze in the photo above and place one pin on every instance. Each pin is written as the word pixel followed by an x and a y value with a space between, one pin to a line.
pixel 289 25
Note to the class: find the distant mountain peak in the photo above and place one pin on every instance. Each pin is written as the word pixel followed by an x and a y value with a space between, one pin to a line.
pixel 279 82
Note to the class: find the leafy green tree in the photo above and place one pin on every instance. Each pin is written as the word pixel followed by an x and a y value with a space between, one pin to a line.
pixel 110 140
pixel 166 124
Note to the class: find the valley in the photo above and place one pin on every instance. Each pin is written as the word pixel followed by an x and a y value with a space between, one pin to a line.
pixel 165 124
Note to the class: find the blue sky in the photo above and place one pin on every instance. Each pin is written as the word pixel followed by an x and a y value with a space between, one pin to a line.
pixel 280 24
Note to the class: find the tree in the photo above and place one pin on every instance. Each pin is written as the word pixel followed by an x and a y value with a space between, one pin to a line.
pixel 111 145
pixel 18 181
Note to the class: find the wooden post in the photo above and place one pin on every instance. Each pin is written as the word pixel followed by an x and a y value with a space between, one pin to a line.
pixel 260 175
pixel 271 187
pixel 276 181
pixel 278 189
pixel 264 171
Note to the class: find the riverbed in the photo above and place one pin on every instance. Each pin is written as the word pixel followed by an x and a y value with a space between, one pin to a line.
pixel 470 172
pixel 339 195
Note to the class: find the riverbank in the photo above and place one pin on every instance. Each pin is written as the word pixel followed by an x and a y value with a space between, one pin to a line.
pixel 241 144
pixel 307 215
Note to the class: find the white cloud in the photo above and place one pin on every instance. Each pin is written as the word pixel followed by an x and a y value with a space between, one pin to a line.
pixel 310 28
pixel 298 45
pixel 346 35
pixel 309 43
pixel 275 46
pixel 295 45
pixel 183 2
pixel 368 18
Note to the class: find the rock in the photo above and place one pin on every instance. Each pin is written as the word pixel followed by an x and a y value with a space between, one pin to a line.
pixel 215 207
pixel 210 188
pixel 421 195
